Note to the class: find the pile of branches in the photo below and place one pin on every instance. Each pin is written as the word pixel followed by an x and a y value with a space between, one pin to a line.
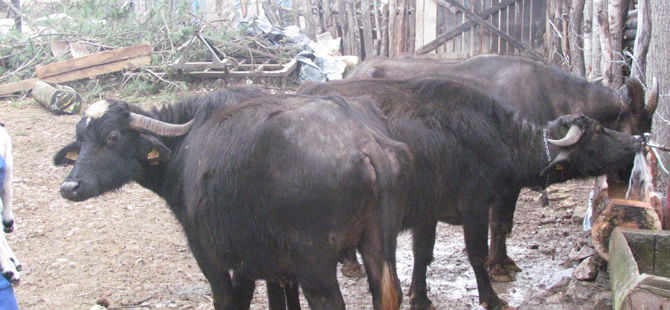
pixel 102 25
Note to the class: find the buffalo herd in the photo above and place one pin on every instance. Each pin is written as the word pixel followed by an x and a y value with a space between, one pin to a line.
pixel 282 187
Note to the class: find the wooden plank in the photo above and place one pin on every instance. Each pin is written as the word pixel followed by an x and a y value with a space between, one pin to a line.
pixel 384 49
pixel 400 27
pixel 492 11
pixel 411 30
pixel 493 29
pixel 392 49
pixel 458 40
pixel 430 21
pixel 504 22
pixel 344 24
pixel 539 20
pixel 451 23
pixel 420 16
pixel 98 70
pixel 467 35
pixel 486 38
pixel 91 60
pixel 10 88
pixel 495 20
pixel 366 22
pixel 75 75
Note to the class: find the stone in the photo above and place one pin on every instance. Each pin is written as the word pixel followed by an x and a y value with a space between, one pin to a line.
pixel 586 270
pixel 583 253
pixel 603 301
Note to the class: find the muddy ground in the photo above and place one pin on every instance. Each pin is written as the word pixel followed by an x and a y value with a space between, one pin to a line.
pixel 128 248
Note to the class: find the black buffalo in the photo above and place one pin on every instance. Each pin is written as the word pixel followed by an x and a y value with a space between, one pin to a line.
pixel 470 151
pixel 540 93
pixel 273 188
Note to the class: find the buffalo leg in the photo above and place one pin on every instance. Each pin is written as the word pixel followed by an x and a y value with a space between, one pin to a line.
pixel 501 267
pixel 219 280
pixel 283 298
pixel 276 298
pixel 292 293
pixel 351 268
pixel 222 288
pixel 374 262
pixel 475 230
pixel 423 241
pixel 243 292
pixel 318 279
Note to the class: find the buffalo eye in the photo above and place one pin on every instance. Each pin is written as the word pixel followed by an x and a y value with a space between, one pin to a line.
pixel 113 137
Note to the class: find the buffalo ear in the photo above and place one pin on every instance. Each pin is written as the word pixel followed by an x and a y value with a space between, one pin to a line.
pixel 156 151
pixel 561 160
pixel 67 155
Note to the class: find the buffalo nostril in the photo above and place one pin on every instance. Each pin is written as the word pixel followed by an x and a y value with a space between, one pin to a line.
pixel 68 189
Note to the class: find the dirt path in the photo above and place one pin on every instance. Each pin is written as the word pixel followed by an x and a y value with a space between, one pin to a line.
pixel 127 247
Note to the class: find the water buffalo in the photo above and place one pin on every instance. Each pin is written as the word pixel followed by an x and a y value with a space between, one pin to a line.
pixel 540 93
pixel 275 188
pixel 471 150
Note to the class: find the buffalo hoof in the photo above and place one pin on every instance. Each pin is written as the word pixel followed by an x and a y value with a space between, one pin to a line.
pixel 352 269
pixel 428 306
pixel 419 303
pixel 504 271
pixel 8 226
pixel 496 304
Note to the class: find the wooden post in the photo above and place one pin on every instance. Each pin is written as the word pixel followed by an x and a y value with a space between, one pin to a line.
pixel 367 28
pixel 353 27
pixel 576 42
pixel 310 21
pixel 384 48
pixel 400 27
pixel 377 8
pixel 347 48
pixel 391 29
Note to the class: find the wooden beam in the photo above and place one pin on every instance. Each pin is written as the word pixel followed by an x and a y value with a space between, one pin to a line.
pixel 17 87
pixel 93 60
pixel 516 43
pixel 462 27
pixel 75 75
pixel 98 70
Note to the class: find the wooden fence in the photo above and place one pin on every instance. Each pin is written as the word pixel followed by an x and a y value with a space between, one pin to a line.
pixel 450 28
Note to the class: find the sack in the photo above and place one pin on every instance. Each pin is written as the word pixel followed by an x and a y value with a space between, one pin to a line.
pixel 60 99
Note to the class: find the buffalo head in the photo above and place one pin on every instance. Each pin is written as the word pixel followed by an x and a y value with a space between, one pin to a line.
pixel 113 147
pixel 586 148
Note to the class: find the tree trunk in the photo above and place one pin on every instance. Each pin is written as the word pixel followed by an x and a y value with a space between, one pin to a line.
pixel 618 12
pixel 596 44
pixel 641 41
pixel 576 37
pixel 587 31
pixel 658 60
pixel 17 18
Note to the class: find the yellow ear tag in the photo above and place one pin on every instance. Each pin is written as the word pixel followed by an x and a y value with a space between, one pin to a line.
pixel 72 155
pixel 153 154
pixel 559 167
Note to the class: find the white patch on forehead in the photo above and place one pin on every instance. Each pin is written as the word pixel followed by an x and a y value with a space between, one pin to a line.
pixel 97 110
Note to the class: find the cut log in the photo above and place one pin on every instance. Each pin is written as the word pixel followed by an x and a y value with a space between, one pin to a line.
pixel 621 213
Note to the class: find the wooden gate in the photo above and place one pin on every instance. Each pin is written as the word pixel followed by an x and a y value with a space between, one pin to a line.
pixel 465 28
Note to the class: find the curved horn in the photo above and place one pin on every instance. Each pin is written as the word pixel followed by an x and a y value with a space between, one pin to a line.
pixel 142 123
pixel 652 102
pixel 570 139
